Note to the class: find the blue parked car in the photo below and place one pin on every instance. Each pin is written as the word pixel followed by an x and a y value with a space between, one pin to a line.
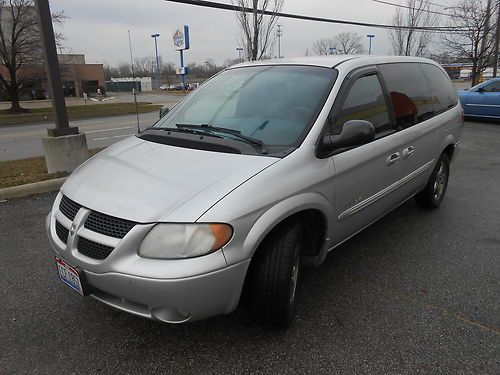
pixel 482 100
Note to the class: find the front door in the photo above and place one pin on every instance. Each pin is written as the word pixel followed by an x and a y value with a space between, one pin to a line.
pixel 484 100
pixel 365 176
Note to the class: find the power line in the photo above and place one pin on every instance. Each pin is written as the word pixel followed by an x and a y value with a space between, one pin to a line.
pixel 216 5
pixel 439 5
pixel 412 8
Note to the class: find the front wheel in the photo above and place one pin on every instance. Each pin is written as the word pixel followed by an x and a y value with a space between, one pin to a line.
pixel 275 278
pixel 433 193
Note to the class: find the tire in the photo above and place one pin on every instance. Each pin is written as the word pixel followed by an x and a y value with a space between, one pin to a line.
pixel 433 193
pixel 275 276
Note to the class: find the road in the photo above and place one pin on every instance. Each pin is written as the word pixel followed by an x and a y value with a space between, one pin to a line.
pixel 415 293
pixel 24 141
pixel 161 97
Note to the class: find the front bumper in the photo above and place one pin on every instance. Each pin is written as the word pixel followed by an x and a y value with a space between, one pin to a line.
pixel 171 300
pixel 173 291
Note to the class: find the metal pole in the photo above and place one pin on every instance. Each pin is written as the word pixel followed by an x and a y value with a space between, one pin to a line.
pixel 134 91
pixel 53 72
pixel 279 34
pixel 157 62
pixel 370 37
pixel 182 66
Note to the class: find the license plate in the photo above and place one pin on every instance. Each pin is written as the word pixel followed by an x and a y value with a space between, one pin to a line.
pixel 69 275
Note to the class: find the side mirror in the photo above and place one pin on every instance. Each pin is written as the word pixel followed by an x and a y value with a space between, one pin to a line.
pixel 354 133
pixel 163 111
pixel 480 90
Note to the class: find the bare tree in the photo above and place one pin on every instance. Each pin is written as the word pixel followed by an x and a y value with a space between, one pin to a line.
pixel 348 43
pixel 110 72
pixel 230 61
pixel 124 69
pixel 145 66
pixel 20 47
pixel 257 29
pixel 324 46
pixel 474 40
pixel 409 41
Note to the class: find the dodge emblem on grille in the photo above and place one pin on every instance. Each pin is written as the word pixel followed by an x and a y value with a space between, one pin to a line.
pixel 73 229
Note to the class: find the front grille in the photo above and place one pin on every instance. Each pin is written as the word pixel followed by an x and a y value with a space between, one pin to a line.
pixel 69 208
pixel 108 225
pixel 93 249
pixel 62 232
pixel 96 222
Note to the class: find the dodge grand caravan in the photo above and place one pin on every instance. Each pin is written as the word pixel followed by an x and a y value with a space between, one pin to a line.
pixel 262 170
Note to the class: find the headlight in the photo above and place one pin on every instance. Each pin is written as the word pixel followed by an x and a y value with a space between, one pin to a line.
pixel 174 241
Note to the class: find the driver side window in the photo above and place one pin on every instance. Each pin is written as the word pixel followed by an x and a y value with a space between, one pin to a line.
pixel 365 101
pixel 492 87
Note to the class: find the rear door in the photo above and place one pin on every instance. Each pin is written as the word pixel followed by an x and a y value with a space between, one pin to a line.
pixel 416 111
pixel 365 176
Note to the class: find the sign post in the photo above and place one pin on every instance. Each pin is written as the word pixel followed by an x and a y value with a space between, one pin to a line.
pixel 181 43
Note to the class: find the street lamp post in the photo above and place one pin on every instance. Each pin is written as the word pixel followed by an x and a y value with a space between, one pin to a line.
pixel 370 37
pixel 240 51
pixel 154 36
pixel 279 34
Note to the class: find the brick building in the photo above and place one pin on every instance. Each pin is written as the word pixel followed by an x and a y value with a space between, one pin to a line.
pixel 77 77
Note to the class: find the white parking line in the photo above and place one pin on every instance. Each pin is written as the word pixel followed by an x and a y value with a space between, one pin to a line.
pixel 108 130
pixel 113 136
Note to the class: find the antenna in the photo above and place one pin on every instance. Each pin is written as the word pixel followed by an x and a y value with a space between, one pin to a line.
pixel 134 91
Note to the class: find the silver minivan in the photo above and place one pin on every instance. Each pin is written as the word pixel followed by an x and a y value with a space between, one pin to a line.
pixel 262 170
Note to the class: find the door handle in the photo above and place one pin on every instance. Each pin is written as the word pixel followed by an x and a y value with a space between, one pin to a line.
pixel 407 152
pixel 391 159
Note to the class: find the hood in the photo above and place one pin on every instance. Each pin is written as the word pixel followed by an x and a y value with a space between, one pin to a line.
pixel 145 182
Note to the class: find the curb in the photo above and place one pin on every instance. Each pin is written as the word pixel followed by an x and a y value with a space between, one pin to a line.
pixel 22 191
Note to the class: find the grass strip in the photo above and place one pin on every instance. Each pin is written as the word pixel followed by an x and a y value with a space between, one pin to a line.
pixel 25 171
pixel 76 112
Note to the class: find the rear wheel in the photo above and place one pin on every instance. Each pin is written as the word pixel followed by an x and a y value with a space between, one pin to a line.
pixel 433 193
pixel 275 277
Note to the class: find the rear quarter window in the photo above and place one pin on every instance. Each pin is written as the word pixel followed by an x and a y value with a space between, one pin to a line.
pixel 410 95
pixel 443 92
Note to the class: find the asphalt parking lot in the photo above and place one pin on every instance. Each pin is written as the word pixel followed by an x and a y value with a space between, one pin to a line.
pixel 416 293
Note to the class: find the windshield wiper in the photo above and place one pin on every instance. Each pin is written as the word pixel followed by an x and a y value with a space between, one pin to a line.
pixel 187 130
pixel 233 132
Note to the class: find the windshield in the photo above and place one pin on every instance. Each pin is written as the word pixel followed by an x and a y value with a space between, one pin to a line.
pixel 275 105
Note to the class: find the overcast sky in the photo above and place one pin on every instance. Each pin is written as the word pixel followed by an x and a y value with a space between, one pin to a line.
pixel 98 28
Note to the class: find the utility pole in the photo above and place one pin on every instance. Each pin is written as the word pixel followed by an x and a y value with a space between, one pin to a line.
pixel 65 149
pixel 483 44
pixel 279 34
pixel 53 72
pixel 497 42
